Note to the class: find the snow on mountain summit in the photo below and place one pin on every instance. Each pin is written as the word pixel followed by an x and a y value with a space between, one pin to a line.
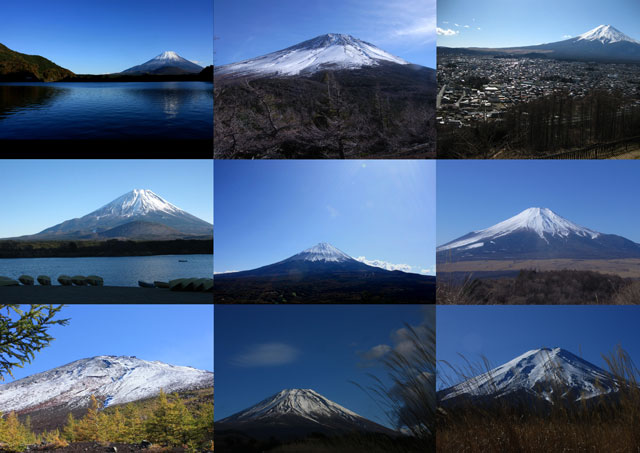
pixel 330 51
pixel 537 372
pixel 116 379
pixel 606 34
pixel 136 202
pixel 302 402
pixel 168 55
pixel 321 252
pixel 542 221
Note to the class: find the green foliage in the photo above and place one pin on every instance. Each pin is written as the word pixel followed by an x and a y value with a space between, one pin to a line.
pixel 23 333
pixel 15 64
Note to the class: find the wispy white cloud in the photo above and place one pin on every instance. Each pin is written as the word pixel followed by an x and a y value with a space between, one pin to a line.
pixel 445 21
pixel 412 21
pixel 466 26
pixel 566 36
pixel 224 272
pixel 385 264
pixel 333 212
pixel 457 25
pixel 375 352
pixel 267 354
pixel 446 32
pixel 479 28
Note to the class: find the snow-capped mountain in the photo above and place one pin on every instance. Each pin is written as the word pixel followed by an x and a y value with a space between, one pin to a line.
pixel 537 233
pixel 323 274
pixel 139 205
pixel 603 43
pixel 605 34
pixel 321 252
pixel 330 51
pixel 537 373
pixel 111 379
pixel 322 258
pixel 297 412
pixel 167 62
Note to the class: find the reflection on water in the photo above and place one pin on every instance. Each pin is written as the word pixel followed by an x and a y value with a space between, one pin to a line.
pixel 14 98
pixel 106 110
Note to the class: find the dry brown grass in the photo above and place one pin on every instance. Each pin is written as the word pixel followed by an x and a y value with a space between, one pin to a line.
pixel 609 425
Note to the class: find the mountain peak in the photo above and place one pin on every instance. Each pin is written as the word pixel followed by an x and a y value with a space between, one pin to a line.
pixel 116 379
pixel 306 403
pixel 536 372
pixel 328 51
pixel 168 55
pixel 321 252
pixel 542 221
pixel 606 34
pixel 136 202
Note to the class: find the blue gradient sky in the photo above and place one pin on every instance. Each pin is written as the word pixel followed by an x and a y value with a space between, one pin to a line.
pixel 312 346
pixel 250 28
pixel 38 194
pixel 601 195
pixel 502 333
pixel 267 211
pixel 506 23
pixel 174 334
pixel 105 36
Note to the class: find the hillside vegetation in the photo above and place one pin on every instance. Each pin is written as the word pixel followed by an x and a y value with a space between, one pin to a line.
pixel 178 420
pixel 15 66
pixel 111 247
pixel 381 112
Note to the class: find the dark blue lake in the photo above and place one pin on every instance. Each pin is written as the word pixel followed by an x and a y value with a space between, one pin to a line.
pixel 116 271
pixel 106 110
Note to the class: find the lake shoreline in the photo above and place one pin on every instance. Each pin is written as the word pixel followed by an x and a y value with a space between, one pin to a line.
pixel 14 249
pixel 100 295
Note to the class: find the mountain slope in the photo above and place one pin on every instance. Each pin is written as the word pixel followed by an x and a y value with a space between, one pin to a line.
pixel 330 51
pixel 323 274
pixel 296 413
pixel 15 66
pixel 48 396
pixel 535 374
pixel 137 205
pixel 536 233
pixel 604 43
pixel 167 62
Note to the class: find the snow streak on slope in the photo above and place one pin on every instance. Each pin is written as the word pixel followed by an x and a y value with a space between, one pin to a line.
pixel 539 220
pixel 305 403
pixel 321 252
pixel 606 34
pixel 331 51
pixel 116 379
pixel 534 372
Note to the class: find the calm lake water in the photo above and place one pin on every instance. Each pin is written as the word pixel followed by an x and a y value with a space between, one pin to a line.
pixel 116 271
pixel 106 110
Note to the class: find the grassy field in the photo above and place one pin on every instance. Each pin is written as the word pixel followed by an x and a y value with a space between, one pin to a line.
pixel 626 268
pixel 606 425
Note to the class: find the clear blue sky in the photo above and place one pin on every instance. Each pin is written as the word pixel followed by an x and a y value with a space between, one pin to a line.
pixel 501 333
pixel 263 349
pixel 601 195
pixel 250 28
pixel 267 211
pixel 38 194
pixel 508 23
pixel 174 334
pixel 105 36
